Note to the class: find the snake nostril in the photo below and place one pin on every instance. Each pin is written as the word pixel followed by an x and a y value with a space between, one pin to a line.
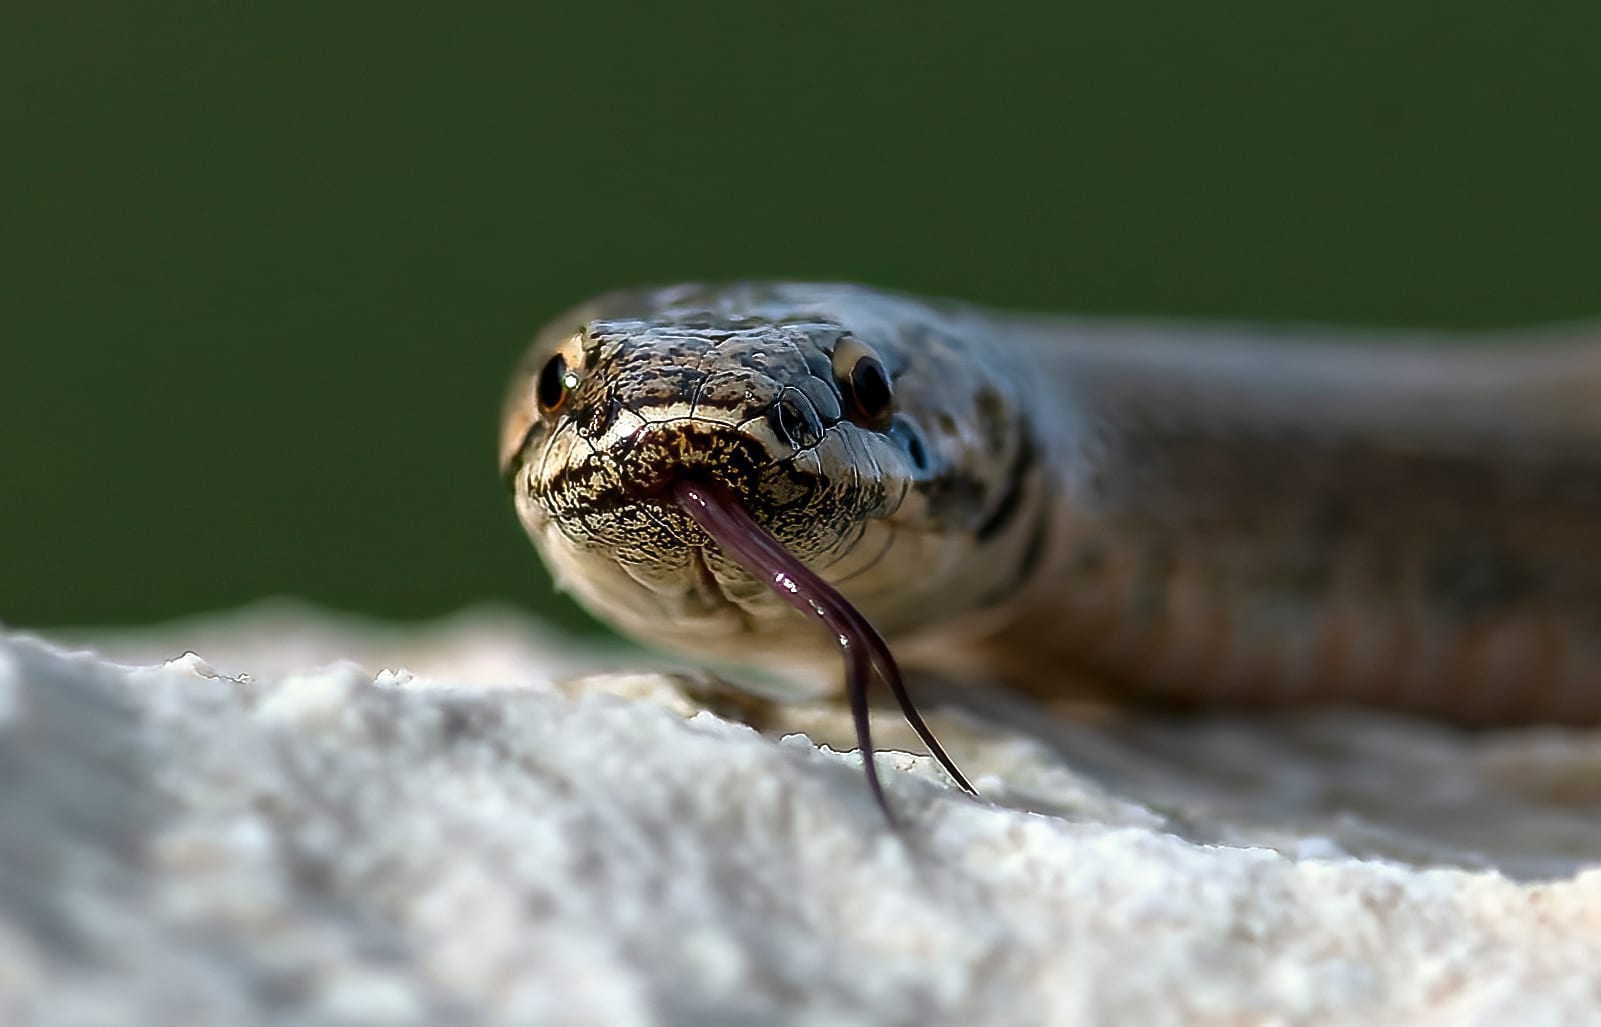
pixel 795 421
pixel 911 440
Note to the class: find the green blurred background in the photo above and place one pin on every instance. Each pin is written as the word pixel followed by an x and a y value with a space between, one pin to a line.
pixel 266 266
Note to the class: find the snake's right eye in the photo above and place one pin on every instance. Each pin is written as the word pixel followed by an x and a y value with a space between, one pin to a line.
pixel 555 383
pixel 864 383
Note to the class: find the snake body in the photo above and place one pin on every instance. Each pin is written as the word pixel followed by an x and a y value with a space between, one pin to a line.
pixel 1079 507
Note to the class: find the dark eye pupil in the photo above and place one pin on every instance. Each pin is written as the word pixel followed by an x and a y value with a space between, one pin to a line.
pixel 870 387
pixel 552 387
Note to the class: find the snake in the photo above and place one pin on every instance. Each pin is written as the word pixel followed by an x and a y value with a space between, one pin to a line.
pixel 1113 510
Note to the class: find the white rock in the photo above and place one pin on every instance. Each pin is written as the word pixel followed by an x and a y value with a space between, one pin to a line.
pixel 326 844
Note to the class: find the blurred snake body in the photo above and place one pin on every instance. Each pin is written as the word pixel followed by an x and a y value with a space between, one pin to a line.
pixel 1104 509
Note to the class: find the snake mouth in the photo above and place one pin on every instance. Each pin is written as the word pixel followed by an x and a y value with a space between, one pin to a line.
pixel 731 527
pixel 607 496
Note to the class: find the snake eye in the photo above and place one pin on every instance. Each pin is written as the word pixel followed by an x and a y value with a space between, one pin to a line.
pixel 864 382
pixel 555 383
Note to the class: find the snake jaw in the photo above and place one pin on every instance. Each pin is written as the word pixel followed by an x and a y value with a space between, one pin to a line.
pixel 597 500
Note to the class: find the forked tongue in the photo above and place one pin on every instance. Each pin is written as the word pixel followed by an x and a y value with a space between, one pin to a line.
pixel 752 547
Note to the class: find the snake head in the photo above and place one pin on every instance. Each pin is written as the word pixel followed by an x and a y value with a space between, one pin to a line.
pixel 791 416
pixel 874 446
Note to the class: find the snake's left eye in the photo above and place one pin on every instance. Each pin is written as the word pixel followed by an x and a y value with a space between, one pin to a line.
pixel 864 382
pixel 555 383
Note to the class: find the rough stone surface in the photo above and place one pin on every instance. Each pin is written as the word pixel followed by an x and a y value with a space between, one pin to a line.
pixel 469 824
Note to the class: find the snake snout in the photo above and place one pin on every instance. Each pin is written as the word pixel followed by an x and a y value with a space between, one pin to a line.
pixel 731 425
pixel 660 453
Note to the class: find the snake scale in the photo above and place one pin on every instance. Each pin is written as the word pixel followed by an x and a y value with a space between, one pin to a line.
pixel 1106 509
